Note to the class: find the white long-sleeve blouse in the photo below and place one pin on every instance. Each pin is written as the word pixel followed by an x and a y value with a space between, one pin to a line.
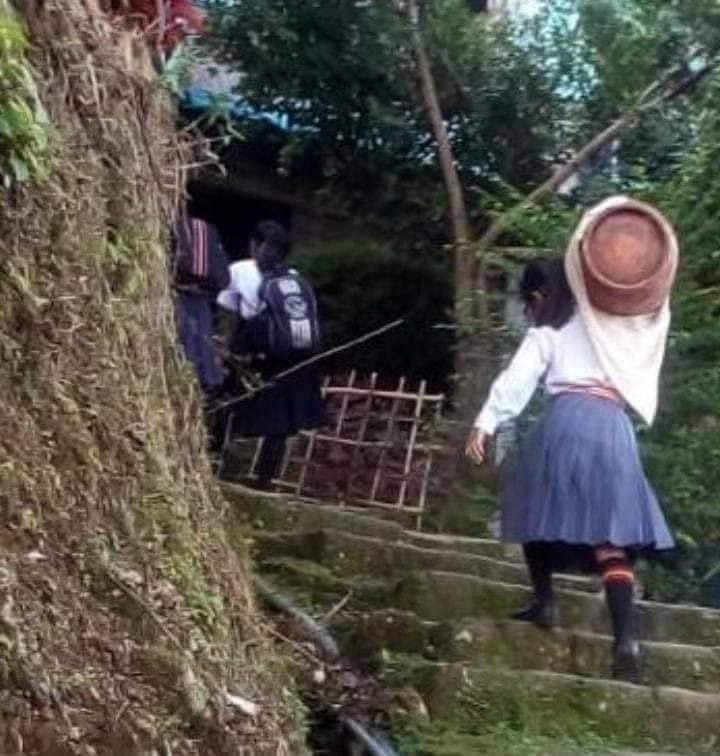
pixel 241 295
pixel 560 358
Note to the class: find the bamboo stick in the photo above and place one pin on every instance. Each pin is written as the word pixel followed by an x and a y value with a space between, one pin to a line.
pixel 382 394
pixel 309 361
pixel 426 473
pixel 287 457
pixel 370 444
pixel 366 502
pixel 388 438
pixel 312 437
pixel 258 448
pixel 360 435
pixel 344 403
pixel 411 442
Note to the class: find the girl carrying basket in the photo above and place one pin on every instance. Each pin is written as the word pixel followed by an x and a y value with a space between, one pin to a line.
pixel 576 495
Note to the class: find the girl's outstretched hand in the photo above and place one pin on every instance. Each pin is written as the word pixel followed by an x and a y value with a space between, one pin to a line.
pixel 476 447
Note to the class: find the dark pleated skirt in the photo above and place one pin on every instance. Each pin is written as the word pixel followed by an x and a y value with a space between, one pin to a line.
pixel 578 482
pixel 293 403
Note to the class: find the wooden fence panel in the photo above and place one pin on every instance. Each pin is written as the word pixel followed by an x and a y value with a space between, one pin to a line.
pixel 377 450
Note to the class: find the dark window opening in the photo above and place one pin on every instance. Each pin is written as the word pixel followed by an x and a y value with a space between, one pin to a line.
pixel 234 214
pixel 478 6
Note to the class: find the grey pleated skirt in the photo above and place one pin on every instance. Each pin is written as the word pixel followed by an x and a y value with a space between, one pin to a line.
pixel 578 481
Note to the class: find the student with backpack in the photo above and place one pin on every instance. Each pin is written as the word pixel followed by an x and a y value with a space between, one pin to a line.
pixel 279 329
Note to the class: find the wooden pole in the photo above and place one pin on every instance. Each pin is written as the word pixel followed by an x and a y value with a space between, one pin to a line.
pixel 456 200
pixel 387 440
pixel 309 361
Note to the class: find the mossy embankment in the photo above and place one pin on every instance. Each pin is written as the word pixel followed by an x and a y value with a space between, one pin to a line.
pixel 127 622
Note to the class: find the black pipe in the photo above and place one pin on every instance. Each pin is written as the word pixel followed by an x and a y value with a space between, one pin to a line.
pixel 327 644
pixel 372 745
pixel 316 632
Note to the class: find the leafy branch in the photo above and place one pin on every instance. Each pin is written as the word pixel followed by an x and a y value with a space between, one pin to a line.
pixel 23 122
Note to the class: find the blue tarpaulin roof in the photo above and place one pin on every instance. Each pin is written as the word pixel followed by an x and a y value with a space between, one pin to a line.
pixel 200 99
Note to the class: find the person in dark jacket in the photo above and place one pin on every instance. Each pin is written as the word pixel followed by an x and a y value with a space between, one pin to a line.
pixel 283 406
pixel 200 271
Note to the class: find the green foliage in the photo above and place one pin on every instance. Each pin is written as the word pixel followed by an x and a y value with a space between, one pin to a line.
pixel 517 95
pixel 362 285
pixel 683 448
pixel 344 75
pixel 215 121
pixel 206 607
pixel 504 720
pixel 23 122
pixel 331 67
pixel 177 74
pixel 499 739
pixel 626 45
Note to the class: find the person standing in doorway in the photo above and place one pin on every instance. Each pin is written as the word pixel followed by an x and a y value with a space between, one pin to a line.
pixel 277 329
pixel 576 495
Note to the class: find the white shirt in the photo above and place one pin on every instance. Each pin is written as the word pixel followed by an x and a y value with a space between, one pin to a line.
pixel 563 357
pixel 629 347
pixel 241 295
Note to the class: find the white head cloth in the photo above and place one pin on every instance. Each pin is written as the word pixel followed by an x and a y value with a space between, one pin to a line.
pixel 630 348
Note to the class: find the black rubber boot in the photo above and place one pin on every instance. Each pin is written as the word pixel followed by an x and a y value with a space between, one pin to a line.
pixel 543 615
pixel 269 462
pixel 626 650
pixel 542 611
pixel 626 661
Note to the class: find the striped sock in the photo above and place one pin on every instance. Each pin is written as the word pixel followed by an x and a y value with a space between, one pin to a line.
pixel 618 578
pixel 614 565
pixel 617 571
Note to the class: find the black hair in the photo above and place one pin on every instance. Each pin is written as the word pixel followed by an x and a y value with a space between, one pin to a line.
pixel 273 244
pixel 556 304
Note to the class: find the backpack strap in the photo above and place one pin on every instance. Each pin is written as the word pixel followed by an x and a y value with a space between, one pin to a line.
pixel 267 277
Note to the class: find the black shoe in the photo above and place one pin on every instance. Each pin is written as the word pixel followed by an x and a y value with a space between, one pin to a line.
pixel 626 661
pixel 542 614
pixel 257 484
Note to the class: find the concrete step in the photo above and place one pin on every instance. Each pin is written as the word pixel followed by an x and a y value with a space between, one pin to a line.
pixel 269 513
pixel 482 546
pixel 352 554
pixel 633 716
pixel 315 589
pixel 438 596
pixel 284 514
pixel 518 645
pixel 442 596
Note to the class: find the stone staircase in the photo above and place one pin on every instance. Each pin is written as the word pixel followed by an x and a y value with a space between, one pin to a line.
pixel 430 611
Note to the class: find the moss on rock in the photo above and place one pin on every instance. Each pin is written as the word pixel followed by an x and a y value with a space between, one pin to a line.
pixel 478 701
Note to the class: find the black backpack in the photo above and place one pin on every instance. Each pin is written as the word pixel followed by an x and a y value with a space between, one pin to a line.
pixel 287 327
pixel 199 262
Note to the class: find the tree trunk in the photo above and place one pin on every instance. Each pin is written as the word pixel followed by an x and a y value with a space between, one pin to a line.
pixel 473 348
pixel 459 224
pixel 470 310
